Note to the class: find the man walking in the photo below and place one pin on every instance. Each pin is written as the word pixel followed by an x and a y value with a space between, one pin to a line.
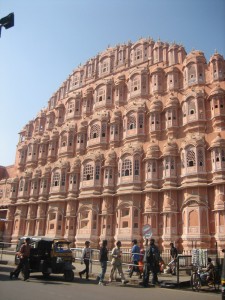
pixel 151 263
pixel 103 258
pixel 135 252
pixel 85 258
pixel 23 254
pixel 173 255
pixel 117 263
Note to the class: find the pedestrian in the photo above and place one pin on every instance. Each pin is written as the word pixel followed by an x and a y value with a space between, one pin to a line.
pixel 103 258
pixel 117 263
pixel 86 259
pixel 208 275
pixel 141 262
pixel 135 256
pixel 173 255
pixel 23 255
pixel 151 263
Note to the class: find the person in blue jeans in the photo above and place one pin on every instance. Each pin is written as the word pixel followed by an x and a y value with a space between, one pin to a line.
pixel 135 252
pixel 103 258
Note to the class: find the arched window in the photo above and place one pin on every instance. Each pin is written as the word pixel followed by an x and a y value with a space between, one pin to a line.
pixel 135 84
pixel 88 172
pixel 70 139
pixel 97 172
pixel 64 141
pixel 140 121
pixel 223 155
pixel 131 122
pixel 56 179
pixel 200 158
pixel 191 161
pixel 104 66
pixel 70 107
pixel 192 108
pixel 138 54
pixel 63 179
pixel 151 167
pixel 95 130
pixel 125 212
pixel 136 167
pixel 104 128
pixel 127 168
pixel 21 185
pixel 101 94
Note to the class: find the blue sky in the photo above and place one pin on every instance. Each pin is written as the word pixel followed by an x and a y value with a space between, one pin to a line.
pixel 52 37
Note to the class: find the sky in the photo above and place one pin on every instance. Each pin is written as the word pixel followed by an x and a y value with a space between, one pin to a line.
pixel 52 37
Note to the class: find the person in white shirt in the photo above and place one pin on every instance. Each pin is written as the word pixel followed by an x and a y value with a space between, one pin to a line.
pixel 86 258
pixel 117 263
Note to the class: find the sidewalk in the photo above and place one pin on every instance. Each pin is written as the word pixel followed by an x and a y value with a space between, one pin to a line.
pixel 95 269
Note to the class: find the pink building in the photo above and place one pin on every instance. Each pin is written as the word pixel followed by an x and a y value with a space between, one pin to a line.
pixel 135 136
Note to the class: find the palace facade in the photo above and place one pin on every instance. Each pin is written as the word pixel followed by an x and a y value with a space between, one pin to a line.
pixel 135 136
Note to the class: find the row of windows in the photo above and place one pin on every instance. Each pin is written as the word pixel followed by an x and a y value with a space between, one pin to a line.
pixel 107 66
pixel 192 110
pixel 129 167
pixel 159 82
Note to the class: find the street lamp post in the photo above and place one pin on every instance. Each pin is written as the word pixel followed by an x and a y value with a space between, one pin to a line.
pixel 7 22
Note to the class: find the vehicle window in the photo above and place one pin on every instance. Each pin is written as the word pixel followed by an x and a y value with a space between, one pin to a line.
pixel 62 247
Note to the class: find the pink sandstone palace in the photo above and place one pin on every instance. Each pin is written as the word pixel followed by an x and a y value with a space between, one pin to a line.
pixel 134 136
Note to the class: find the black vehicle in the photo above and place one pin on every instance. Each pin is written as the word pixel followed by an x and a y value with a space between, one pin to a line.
pixel 48 255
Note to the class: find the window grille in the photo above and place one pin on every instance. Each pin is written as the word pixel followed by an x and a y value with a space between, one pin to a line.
pixel 200 158
pixel 126 168
pixel 95 130
pixel 136 167
pixel 131 122
pixel 191 161
pixel 88 172
pixel 141 121
pixel 56 179
pixel 135 84
pixel 97 172
pixel 137 54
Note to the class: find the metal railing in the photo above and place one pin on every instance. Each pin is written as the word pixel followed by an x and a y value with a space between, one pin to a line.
pixel 183 262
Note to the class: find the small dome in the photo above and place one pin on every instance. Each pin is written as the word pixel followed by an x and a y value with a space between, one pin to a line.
pixel 216 56
pixel 195 56
pixel 173 46
pixel 158 44
pixel 156 105
pixel 111 158
pixel 218 142
pixel 152 151
pixel 172 101
pixel 170 148
pixel 217 91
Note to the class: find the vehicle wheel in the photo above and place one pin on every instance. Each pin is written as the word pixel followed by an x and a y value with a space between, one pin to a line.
pixel 46 275
pixel 195 282
pixel 69 275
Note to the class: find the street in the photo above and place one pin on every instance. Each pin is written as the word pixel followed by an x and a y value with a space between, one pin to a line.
pixel 55 288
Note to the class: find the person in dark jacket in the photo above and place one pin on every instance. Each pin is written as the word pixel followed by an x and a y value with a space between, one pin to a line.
pixel 151 263
pixel 23 254
pixel 103 258
pixel 173 254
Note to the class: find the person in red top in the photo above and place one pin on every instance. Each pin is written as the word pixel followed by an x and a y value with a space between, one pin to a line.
pixel 23 254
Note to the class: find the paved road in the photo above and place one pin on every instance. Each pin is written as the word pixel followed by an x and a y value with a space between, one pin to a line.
pixel 36 288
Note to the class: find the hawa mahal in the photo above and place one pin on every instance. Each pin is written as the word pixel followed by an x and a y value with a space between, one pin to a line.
pixel 134 136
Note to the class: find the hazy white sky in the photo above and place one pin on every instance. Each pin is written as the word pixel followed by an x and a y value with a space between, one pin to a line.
pixel 52 37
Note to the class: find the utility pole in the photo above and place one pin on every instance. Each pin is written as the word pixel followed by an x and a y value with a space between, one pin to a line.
pixel 223 277
pixel 7 22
